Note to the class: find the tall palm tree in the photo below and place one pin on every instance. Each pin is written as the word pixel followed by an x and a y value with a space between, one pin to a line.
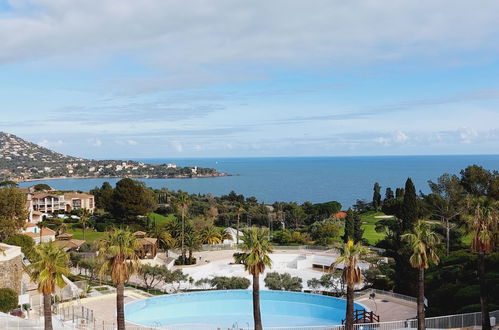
pixel 423 243
pixel 84 214
pixel 119 261
pixel 183 203
pixel 351 275
pixel 50 263
pixel 255 258
pixel 483 223
pixel 211 235
pixel 192 243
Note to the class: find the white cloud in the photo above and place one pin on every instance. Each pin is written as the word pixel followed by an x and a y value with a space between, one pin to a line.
pixel 467 135
pixel 94 142
pixel 50 144
pixel 199 42
pixel 177 146
pixel 132 142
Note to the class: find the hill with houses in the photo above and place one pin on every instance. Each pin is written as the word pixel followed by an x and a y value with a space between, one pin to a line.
pixel 21 160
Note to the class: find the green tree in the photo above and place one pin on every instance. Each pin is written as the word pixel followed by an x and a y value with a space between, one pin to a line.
pixel 410 211
pixel 389 194
pixel 351 275
pixel 476 180
pixel 255 258
pixel 483 223
pixel 286 282
pixel 152 275
pixel 119 261
pixel 229 283
pixel 183 202
pixel 423 243
pixel 446 201
pixel 211 235
pixel 377 196
pixel 8 299
pixel 130 199
pixel 49 265
pixel 13 213
pixel 103 196
pixel 25 242
pixel 192 243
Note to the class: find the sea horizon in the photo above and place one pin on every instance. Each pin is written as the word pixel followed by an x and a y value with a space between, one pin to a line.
pixel 298 179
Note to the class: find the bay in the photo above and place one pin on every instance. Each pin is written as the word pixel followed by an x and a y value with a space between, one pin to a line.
pixel 315 179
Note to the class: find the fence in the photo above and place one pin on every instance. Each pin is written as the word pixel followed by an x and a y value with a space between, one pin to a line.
pixel 386 293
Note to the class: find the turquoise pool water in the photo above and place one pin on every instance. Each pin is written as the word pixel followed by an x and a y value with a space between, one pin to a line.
pixel 226 309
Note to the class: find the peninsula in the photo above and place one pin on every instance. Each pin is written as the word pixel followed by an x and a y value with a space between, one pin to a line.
pixel 21 160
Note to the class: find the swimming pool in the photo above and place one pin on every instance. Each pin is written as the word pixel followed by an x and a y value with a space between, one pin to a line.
pixel 232 308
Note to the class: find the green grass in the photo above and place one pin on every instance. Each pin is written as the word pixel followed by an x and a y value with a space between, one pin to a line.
pixel 90 235
pixel 161 219
pixel 369 225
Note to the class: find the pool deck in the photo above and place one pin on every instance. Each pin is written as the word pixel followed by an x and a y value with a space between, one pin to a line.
pixel 389 308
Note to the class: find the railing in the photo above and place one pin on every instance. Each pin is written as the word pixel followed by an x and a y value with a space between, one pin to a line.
pixel 386 293
pixel 363 316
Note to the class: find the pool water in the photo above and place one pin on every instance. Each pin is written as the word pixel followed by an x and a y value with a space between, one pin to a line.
pixel 234 308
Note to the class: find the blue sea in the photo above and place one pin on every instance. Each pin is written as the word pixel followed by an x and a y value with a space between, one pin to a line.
pixel 315 179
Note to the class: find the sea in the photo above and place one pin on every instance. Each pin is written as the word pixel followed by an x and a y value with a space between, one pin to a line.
pixel 300 179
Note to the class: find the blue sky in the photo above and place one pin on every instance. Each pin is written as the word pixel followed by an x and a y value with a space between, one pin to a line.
pixel 225 78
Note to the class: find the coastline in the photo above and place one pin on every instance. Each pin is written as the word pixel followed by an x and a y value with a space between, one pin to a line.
pixel 199 176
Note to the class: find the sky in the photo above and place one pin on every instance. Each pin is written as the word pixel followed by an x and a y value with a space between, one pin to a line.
pixel 231 78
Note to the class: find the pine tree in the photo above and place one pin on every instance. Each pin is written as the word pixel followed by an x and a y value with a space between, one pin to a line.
pixel 409 207
pixel 399 192
pixel 377 196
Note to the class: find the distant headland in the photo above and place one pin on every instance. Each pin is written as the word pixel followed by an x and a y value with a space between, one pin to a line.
pixel 21 160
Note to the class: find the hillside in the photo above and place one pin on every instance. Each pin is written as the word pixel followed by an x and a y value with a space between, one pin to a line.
pixel 22 160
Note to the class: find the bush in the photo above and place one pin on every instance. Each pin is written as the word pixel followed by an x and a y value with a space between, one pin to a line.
pixel 180 261
pixel 276 281
pixel 8 300
pixel 229 283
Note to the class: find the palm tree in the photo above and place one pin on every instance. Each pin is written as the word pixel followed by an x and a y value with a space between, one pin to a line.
pixel 192 243
pixel 49 265
pixel 84 213
pixel 211 235
pixel 225 235
pixel 351 275
pixel 164 236
pixel 423 242
pixel 183 203
pixel 256 247
pixel 119 260
pixel 483 223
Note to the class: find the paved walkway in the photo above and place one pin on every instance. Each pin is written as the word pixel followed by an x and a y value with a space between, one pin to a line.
pixel 389 308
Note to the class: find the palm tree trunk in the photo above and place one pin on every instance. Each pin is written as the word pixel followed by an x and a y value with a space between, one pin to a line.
pixel 349 312
pixel 421 316
pixel 256 303
pixel 447 236
pixel 83 231
pixel 47 311
pixel 483 292
pixel 120 308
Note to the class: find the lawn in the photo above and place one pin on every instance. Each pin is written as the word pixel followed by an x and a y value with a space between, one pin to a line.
pixel 160 219
pixel 369 225
pixel 90 235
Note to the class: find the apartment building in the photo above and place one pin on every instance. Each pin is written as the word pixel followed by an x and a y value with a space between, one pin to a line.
pixel 43 202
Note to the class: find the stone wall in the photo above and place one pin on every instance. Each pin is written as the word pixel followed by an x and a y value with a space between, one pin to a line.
pixel 11 268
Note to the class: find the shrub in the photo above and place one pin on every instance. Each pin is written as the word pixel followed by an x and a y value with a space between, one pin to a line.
pixel 229 283
pixel 8 300
pixel 276 281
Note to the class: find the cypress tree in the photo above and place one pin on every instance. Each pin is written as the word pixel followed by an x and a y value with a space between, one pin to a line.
pixel 409 206
pixel 389 194
pixel 377 196
pixel 349 226
pixel 358 232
